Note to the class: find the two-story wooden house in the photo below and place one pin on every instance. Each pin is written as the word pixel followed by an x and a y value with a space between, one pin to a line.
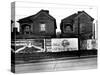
pixel 78 24
pixel 40 25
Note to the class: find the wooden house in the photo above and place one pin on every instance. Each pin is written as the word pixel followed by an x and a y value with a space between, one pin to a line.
pixel 78 24
pixel 40 25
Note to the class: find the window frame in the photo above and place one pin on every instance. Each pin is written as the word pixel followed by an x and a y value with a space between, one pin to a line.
pixel 42 27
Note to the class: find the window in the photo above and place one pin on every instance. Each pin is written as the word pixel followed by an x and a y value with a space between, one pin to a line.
pixel 68 28
pixel 42 27
pixel 27 30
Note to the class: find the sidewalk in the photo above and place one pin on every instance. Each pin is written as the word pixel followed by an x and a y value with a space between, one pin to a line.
pixel 55 59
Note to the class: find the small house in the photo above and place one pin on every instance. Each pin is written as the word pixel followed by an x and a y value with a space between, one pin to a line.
pixel 77 24
pixel 40 25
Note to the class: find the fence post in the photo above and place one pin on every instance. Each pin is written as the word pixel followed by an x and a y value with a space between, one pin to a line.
pixel 44 45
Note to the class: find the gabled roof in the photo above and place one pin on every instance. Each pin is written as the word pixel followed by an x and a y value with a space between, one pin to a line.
pixel 73 16
pixel 29 18
pixel 70 17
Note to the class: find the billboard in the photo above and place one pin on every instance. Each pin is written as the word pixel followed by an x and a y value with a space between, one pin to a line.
pixel 91 44
pixel 64 44
pixel 28 45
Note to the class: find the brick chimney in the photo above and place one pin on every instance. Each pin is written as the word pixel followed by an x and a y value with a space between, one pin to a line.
pixel 79 12
pixel 47 11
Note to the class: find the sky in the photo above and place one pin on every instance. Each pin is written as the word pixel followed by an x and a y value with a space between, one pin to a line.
pixel 58 11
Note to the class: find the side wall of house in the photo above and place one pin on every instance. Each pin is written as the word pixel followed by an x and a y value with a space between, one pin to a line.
pixel 85 24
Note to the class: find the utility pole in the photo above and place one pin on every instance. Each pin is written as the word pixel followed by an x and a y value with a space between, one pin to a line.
pixel 94 31
pixel 79 37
